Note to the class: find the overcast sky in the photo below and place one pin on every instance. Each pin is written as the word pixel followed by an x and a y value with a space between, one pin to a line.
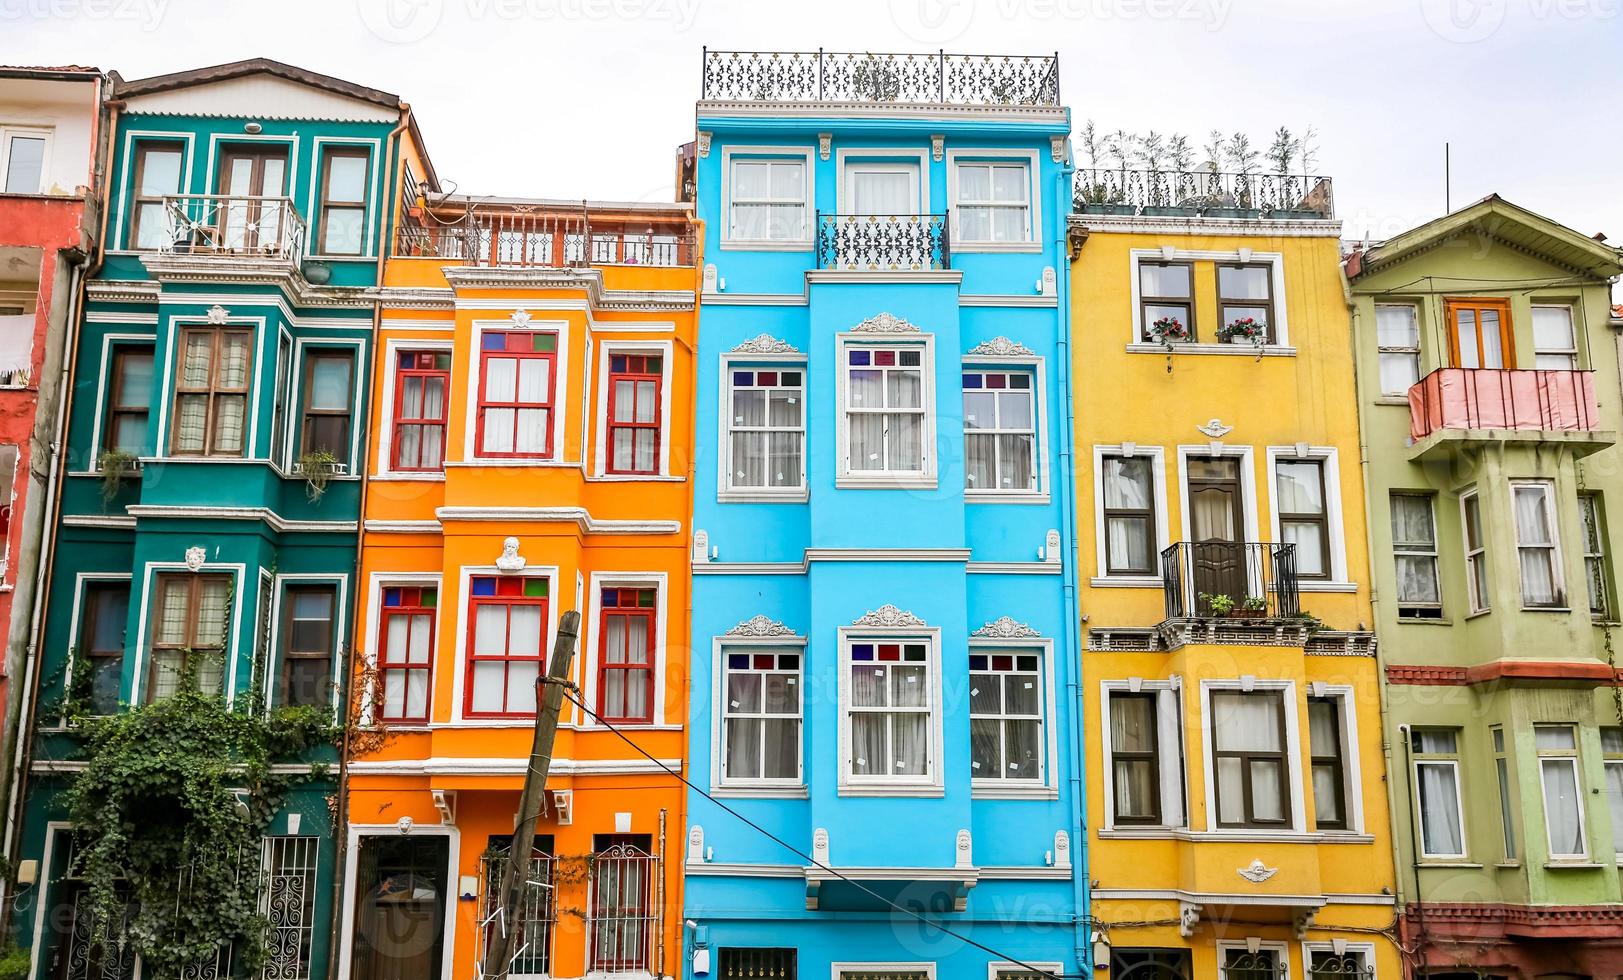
pixel 573 98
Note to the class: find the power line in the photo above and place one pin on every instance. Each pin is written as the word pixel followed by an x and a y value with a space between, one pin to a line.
pixel 942 927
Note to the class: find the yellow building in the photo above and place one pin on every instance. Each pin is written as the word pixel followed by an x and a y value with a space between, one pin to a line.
pixel 1237 823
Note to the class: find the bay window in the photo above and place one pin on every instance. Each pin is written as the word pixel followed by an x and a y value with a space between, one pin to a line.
pixel 1249 758
pixel 766 431
pixel 1536 547
pixel 1414 549
pixel 1000 438
pixel 1006 700
pixel 761 715
pixel 328 381
pixel 1476 553
pixel 634 413
pixel 211 392
pixel 1326 726
pixel 1611 746
pixel 129 402
pixel 1501 768
pixel 1557 747
pixel 885 409
pixel 1596 577
pixel 406 652
pixel 1437 784
pixel 890 709
pixel 625 668
pixel 516 372
pixel 306 676
pixel 509 615
pixel 190 630
pixel 422 381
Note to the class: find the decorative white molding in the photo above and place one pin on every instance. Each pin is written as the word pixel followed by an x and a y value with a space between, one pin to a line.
pixel 704 143
pixel 1257 872
pixel 887 616
pixel 1214 429
pixel 1056 149
pixel 1302 921
pixel 445 802
pixel 701 545
pixel 765 344
pixel 757 626
pixel 885 323
pixel 563 806
pixel 510 560
pixel 696 844
pixel 1052 552
pixel 1062 850
pixel 938 147
pixel 709 283
pixel 1005 627
pixel 1188 918
pixel 1001 347
pixel 820 846
pixel 521 318
pixel 1048 284
pixel 825 145
pixel 195 557
pixel 964 854
pixel 218 314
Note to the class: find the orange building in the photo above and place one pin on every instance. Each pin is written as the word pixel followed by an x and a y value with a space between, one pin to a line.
pixel 529 454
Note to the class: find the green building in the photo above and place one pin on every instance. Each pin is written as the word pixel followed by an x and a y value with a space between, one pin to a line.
pixel 1490 406
pixel 208 524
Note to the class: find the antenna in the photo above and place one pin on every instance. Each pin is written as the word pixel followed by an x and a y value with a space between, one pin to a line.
pixel 1448 173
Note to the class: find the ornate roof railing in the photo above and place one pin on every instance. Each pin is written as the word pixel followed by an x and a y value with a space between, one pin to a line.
pixel 1203 193
pixel 868 77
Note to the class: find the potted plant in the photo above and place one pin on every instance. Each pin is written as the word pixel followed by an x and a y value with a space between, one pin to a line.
pixel 317 468
pixel 1253 607
pixel 1170 331
pixel 116 466
pixel 1220 605
pixel 1245 330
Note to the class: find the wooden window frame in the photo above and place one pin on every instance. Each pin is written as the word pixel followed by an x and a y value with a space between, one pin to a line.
pixel 194 587
pixel 1411 610
pixel 628 667
pixel 1321 521
pixel 1478 586
pixel 485 403
pixel 286 654
pixel 507 658
pixel 1153 757
pixel 387 663
pixel 1145 300
pixel 258 207
pixel 1269 305
pixel 1570 758
pixel 402 421
pixel 213 391
pixel 1507 333
pixel 309 414
pixel 616 425
pixel 1336 760
pixel 329 206
pixel 89 619
pixel 1501 766
pixel 1148 514
pixel 1611 747
pixel 1246 757
pixel 138 200
pixel 115 393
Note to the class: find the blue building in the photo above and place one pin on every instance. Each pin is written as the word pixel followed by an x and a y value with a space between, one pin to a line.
pixel 884 610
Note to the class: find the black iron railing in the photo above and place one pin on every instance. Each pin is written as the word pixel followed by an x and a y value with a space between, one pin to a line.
pixel 1203 193
pixel 849 76
pixel 882 241
pixel 1230 579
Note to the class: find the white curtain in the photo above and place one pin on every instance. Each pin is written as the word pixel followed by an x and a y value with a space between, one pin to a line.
pixel 912 743
pixel 783 458
pixel 1561 805
pixel 1440 831
pixel 1492 354
pixel 1212 516
pixel 1133 729
pixel 1614 794
pixel 1246 722
pixel 749 460
pixel 1537 554
pixel 887 193
pixel 1412 529
pixel 744 748
pixel 1127 487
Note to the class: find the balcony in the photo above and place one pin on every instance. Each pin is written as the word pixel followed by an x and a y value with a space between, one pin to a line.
pixel 882 242
pixel 1203 194
pixel 869 78
pixel 233 225
pixel 544 240
pixel 1451 406
pixel 1230 592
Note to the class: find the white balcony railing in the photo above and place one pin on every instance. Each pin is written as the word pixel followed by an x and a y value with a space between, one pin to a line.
pixel 239 225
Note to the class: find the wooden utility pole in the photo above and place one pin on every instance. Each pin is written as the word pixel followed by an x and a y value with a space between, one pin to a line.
pixel 549 687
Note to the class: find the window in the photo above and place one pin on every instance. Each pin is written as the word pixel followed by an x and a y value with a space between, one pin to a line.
pixel 1327 964
pixel 422 381
pixel 1267 963
pixel 1437 782
pixel 406 651
pixel 189 632
pixel 1246 291
pixel 307 645
pixel 211 392
pixel 891 707
pixel 1479 333
pixel 1397 335
pixel 620 924
pixel 1555 344
pixel 252 207
pixel 1476 553
pixel 23 152
pixel 885 412
pixel 1501 765
pixel 129 401
pixel 1414 551
pixel 1151 964
pixel 1611 746
pixel 1135 758
pixel 279 398
pixel 537 911
pixel 1006 696
pixel 736 963
pixel 634 394
pixel 625 667
pixel 509 626
pixel 101 642
pixel 328 378
pixel 516 372
pixel 768 201
pixel 1303 514
pixel 157 175
pixel 1595 576
pixel 1129 515
pixel 994 203
pixel 1325 727
pixel 1000 435
pixel 1536 546
pixel 767 434
pixel 1557 747
pixel 1166 291
pixel 1249 757
pixel 344 173
pixel 761 712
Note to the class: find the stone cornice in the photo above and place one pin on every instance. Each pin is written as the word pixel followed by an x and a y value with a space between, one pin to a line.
pixel 1245 227
pixel 219 269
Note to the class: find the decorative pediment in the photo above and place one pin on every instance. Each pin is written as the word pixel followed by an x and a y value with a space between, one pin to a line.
pixel 766 344
pixel 1001 347
pixel 218 314
pixel 885 323
pixel 757 626
pixel 887 616
pixel 1005 627
pixel 521 318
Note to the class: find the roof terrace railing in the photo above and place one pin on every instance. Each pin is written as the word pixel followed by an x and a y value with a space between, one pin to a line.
pixel 868 77
pixel 1202 193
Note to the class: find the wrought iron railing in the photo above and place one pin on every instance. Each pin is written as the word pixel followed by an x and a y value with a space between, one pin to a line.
pixel 233 225
pixel 1491 398
pixel 535 918
pixel 868 77
pixel 882 241
pixel 544 240
pixel 1230 579
pixel 1204 193
pixel 621 924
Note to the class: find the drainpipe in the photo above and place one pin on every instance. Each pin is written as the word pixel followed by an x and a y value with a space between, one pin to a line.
pixel 696 228
pixel 1414 852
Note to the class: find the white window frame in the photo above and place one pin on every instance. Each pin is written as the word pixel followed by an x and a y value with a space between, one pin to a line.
pixel 720 783
pixel 359 385
pixel 1573 760
pixel 1248 484
pixel 1382 351
pixel 725 491
pixel 1293 751
pixel 340 633
pixel 1364 951
pixel 46 133
pixel 1567 352
pixel 1610 761
pixel 376 583
pixel 846 477
pixel 560 395
pixel 1280 949
pixel 240 600
pixel 1046 785
pixel 80 580
pixel 1137 327
pixel 1171 750
pixel 1036 367
pixel 463 639
pixel 894 159
pixel 1552 528
pixel 996 967
pixel 1329 460
pixel 838 970
pixel 732 154
pixel 1475 601
pixel 1595 504
pixel 1351 770
pixel 1452 762
pixel 1436 574
pixel 1034 196
pixel 383 468
pixel 931 783
pixel 587 678
pixel 665 350
pixel 1163 534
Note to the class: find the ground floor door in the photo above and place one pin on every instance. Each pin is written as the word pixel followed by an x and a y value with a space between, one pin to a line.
pixel 399 908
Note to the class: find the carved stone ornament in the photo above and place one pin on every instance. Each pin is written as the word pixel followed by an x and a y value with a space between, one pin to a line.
pixel 938 147
pixel 760 626
pixel 521 318
pixel 965 850
pixel 218 314
pixel 1005 627
pixel 195 557
pixel 825 143
pixel 766 344
pixel 887 616
pixel 1215 429
pixel 1257 872
pixel 1001 347
pixel 704 143
pixel 885 323
pixel 510 560
pixel 1056 149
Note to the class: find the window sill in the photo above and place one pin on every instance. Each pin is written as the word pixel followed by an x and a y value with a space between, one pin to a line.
pixel 408 477
pixel 1478 614
pixel 735 245
pixel 1229 836
pixel 1509 865
pixel 1547 609
pixel 797 496
pixel 1425 621
pixel 1004 497
pixel 915 791
pixel 760 792
pixel 1127 582
pixel 489 461
pixel 346 257
pixel 989 790
pixel 1314 586
pixel 1580 865
pixel 1446 863
pixel 635 478
pixel 1236 350
pixel 850 481
pixel 959 247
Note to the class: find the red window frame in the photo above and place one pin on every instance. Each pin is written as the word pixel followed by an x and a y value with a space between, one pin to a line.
pixel 634 369
pixel 627 603
pixel 422 366
pixel 512 343
pixel 507 591
pixel 410 603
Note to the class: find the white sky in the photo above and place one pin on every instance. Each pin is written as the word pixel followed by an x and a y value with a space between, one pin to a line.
pixel 572 98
